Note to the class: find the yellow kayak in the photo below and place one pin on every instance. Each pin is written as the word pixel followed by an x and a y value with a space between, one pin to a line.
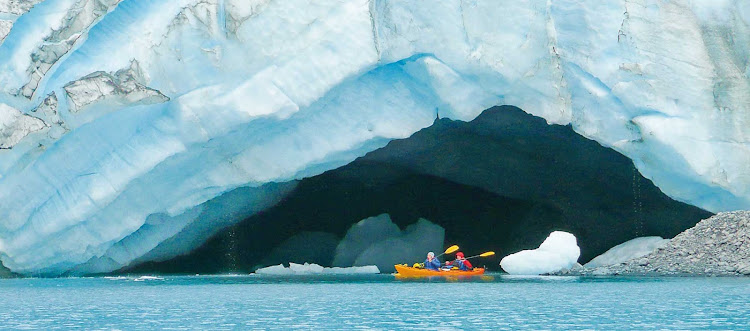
pixel 406 271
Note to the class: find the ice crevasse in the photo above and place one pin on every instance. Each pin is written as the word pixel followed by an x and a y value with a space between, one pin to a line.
pixel 129 128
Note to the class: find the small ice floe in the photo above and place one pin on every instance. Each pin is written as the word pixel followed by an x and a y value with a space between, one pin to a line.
pixel 314 269
pixel 147 278
pixel 559 251
pixel 116 278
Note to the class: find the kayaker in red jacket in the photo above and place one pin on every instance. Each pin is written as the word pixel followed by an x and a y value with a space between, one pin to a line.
pixel 461 262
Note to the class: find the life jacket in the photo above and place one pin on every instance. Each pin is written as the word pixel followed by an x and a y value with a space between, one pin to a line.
pixel 463 264
pixel 434 265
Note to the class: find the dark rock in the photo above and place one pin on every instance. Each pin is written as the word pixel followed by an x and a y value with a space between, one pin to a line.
pixel 700 251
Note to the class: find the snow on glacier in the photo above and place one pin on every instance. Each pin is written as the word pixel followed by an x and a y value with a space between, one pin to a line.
pixel 272 91
pixel 559 251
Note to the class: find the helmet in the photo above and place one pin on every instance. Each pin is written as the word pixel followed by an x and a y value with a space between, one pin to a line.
pixel 430 254
pixel 460 255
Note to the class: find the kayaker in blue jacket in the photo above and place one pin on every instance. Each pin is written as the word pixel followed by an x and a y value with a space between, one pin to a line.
pixel 432 263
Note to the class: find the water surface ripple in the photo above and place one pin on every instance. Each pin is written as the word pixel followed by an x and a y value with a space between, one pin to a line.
pixel 375 301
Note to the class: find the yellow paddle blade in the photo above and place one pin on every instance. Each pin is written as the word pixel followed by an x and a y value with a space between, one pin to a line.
pixel 486 254
pixel 451 249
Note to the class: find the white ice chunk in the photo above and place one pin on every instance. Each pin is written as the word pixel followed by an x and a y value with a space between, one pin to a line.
pixel 307 268
pixel 631 249
pixel 314 269
pixel 147 278
pixel 367 269
pixel 559 251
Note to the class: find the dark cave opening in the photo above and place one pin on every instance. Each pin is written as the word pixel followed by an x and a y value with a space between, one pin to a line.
pixel 501 182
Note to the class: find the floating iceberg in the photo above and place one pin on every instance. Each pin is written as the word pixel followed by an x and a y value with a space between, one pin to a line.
pixel 230 93
pixel 147 278
pixel 631 249
pixel 559 251
pixel 314 269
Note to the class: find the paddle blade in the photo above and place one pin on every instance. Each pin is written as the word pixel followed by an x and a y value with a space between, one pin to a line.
pixel 451 249
pixel 486 254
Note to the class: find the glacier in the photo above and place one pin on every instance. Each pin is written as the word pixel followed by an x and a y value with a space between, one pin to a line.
pixel 123 121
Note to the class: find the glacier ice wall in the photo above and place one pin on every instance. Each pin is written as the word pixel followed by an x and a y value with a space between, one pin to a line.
pixel 186 100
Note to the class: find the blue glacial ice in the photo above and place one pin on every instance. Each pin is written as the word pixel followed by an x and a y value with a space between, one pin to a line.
pixel 258 93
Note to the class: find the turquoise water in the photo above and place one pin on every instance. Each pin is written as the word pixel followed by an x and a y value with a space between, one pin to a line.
pixel 375 301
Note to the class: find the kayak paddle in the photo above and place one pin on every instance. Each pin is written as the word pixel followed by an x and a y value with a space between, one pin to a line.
pixel 485 254
pixel 449 250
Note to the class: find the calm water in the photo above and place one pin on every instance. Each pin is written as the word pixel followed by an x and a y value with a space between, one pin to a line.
pixel 375 301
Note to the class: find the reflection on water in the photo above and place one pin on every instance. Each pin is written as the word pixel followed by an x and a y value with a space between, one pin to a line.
pixel 492 301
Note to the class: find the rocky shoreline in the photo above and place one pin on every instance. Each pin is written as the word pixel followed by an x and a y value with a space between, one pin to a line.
pixel 717 246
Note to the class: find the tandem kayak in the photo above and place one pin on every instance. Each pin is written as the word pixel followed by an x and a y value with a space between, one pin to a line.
pixel 406 271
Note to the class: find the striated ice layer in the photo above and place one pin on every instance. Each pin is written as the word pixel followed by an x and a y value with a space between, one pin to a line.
pixel 150 109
